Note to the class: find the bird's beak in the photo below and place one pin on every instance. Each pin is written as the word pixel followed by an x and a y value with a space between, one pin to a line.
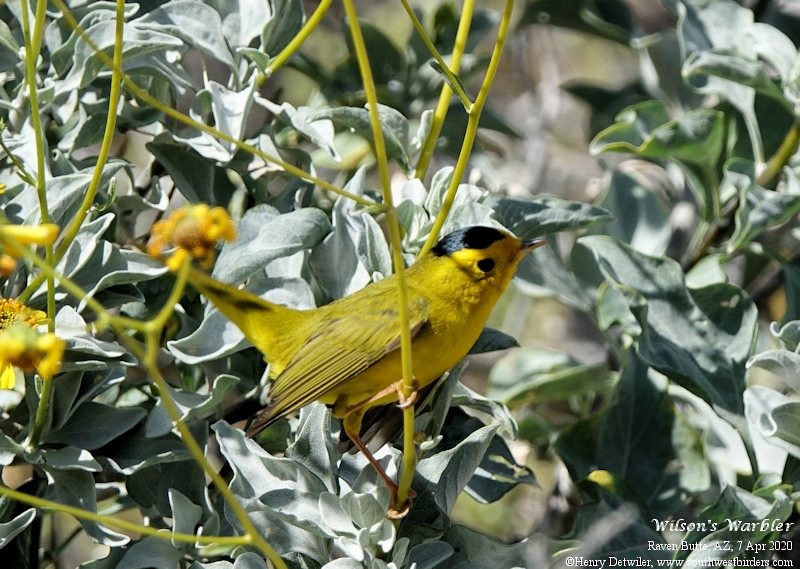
pixel 529 245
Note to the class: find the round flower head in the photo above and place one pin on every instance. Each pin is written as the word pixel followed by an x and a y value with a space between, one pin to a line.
pixel 194 232
pixel 22 347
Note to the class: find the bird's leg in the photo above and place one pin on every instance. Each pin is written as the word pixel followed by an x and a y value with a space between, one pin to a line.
pixel 351 422
pixel 352 427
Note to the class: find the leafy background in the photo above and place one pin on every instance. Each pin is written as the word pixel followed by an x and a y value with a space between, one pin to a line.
pixel 658 379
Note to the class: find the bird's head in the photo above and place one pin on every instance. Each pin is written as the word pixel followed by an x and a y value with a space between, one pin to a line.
pixel 485 255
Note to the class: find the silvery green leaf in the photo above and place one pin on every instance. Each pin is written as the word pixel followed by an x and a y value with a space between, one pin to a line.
pixel 185 514
pixel 152 551
pixel 423 130
pixel 783 423
pixel 217 336
pixel 198 179
pixel 363 509
pixel 150 487
pixel 544 215
pixel 783 363
pixel 338 263
pixel 229 110
pixel 10 529
pixel 531 375
pixel 788 333
pixel 723 446
pixel 84 351
pixel 22 144
pixel 638 422
pixel 759 209
pixel 492 340
pixel 110 265
pixel 9 449
pixel 9 49
pixel 318 131
pixel 335 519
pixel 707 271
pixel 93 425
pixel 194 22
pixel 64 193
pixel 84 245
pixel 497 474
pixel 68 458
pixel 62 52
pixel 711 69
pixel 445 474
pixel 249 560
pixel 280 236
pixel 394 126
pixel 636 197
pixel 682 331
pixel 429 555
pixel 279 494
pixel 285 23
pixel 242 21
pixel 188 403
pixel 136 43
pixel 473 549
pixel 343 563
pixel 133 451
pixel 76 488
pixel 758 402
pixel 543 273
pixel 465 397
pixel 313 446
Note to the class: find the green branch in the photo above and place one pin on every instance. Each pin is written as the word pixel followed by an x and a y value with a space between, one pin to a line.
pixel 110 521
pixel 439 115
pixel 409 449
pixel 472 128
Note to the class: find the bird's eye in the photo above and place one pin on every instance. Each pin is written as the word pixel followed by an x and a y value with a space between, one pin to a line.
pixel 486 265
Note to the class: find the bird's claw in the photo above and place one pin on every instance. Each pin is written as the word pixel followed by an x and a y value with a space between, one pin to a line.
pixel 398 514
pixel 406 402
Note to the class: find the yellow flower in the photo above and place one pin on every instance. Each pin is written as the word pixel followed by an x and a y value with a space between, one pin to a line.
pixel 194 231
pixel 12 236
pixel 27 349
pixel 23 347
pixel 13 311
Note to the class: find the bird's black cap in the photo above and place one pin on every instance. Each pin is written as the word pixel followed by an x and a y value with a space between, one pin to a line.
pixel 477 237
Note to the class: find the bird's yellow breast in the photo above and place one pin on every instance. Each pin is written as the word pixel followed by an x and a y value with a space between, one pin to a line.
pixel 453 325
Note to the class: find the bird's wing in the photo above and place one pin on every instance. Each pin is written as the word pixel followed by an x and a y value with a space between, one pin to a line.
pixel 341 348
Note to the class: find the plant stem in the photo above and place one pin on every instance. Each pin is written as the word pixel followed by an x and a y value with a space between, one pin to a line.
pixel 463 28
pixel 459 47
pixel 409 449
pixel 108 137
pixel 781 157
pixel 297 41
pixel 32 50
pixel 149 358
pixel 472 128
pixel 110 521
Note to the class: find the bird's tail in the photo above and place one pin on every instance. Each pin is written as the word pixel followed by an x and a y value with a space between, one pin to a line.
pixel 262 322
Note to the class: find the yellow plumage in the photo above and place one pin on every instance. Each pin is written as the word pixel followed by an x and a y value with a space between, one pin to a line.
pixel 347 353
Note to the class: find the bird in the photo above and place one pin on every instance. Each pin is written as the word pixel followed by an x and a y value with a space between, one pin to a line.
pixel 346 354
